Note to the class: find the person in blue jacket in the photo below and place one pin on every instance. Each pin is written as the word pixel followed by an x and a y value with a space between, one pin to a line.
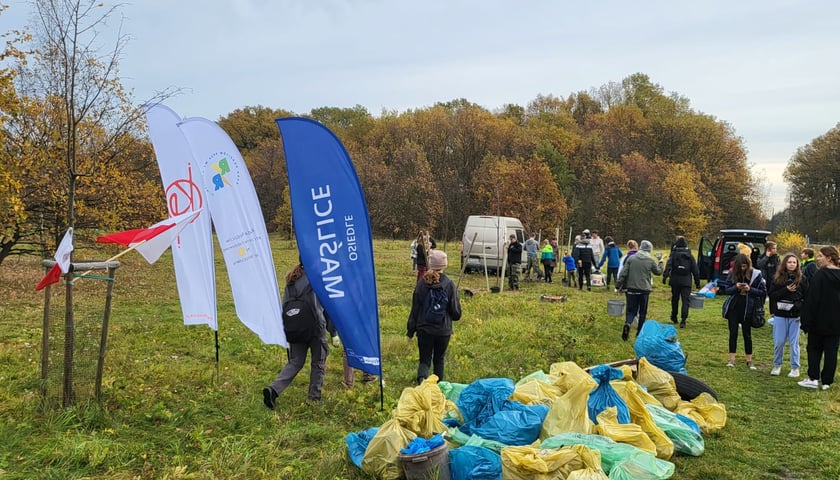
pixel 612 256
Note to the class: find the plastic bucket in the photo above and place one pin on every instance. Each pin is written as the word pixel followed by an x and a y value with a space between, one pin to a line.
pixel 431 465
pixel 615 308
pixel 696 301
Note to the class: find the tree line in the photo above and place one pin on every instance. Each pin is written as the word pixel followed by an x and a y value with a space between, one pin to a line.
pixel 625 158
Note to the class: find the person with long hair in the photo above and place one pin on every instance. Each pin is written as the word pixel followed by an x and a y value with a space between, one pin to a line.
pixel 821 321
pixel 433 333
pixel 787 293
pixel 297 286
pixel 746 289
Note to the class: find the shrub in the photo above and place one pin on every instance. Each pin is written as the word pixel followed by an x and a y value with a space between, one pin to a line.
pixel 790 242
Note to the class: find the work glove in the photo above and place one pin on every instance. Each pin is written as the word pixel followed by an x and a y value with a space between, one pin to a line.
pixel 336 341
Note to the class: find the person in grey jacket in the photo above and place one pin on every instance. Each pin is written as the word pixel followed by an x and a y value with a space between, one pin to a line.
pixel 433 336
pixel 635 280
pixel 296 285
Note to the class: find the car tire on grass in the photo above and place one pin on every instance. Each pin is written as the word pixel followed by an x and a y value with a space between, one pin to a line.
pixel 689 387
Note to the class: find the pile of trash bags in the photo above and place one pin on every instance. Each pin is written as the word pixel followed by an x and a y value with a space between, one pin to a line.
pixel 605 423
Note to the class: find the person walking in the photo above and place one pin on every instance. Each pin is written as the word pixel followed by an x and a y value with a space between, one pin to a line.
pixel 820 320
pixel 299 289
pixel 532 250
pixel 679 270
pixel 514 252
pixel 635 280
pixel 582 253
pixel 569 263
pixel 548 260
pixel 612 257
pixel 349 372
pixel 434 306
pixel 786 292
pixel 746 289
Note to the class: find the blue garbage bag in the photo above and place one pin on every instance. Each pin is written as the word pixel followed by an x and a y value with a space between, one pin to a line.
pixel 515 424
pixel 357 443
pixel 420 445
pixel 475 463
pixel 605 396
pixel 484 397
pixel 658 343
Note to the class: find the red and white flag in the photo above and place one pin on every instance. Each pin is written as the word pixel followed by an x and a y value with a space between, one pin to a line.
pixel 62 261
pixel 153 241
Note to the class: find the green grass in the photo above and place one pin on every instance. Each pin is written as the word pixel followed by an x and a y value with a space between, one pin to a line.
pixel 166 412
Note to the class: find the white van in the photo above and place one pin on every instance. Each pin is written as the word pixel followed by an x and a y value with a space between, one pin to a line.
pixel 490 234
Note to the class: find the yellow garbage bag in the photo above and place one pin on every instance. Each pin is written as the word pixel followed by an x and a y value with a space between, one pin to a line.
pixel 421 409
pixel 628 433
pixel 659 383
pixel 641 416
pixel 381 458
pixel 531 463
pixel 569 412
pixel 709 414
pixel 568 374
pixel 536 391
pixel 620 387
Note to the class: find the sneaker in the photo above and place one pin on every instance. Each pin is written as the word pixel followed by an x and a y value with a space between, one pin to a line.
pixel 682 324
pixel 730 363
pixel 673 320
pixel 751 366
pixel 625 332
pixel 808 383
pixel 777 369
pixel 269 398
pixel 826 387
pixel 367 378
pixel 794 373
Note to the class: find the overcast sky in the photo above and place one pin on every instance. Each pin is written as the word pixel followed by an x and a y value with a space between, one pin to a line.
pixel 769 68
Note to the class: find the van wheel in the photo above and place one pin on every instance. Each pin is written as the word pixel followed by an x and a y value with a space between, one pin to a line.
pixel 689 387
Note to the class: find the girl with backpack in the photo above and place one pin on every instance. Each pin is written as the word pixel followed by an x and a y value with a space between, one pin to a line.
pixel 435 305
pixel 301 341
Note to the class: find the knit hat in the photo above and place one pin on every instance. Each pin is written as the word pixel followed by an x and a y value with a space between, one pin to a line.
pixel 437 260
pixel 646 246
pixel 681 243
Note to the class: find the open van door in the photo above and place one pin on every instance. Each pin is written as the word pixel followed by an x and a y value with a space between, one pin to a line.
pixel 706 259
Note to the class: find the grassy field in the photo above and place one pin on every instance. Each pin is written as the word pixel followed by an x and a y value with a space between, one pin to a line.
pixel 167 413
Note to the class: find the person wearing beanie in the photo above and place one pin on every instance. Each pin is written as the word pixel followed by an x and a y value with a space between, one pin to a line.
pixel 635 280
pixel 434 306
pixel 680 269
pixel 612 257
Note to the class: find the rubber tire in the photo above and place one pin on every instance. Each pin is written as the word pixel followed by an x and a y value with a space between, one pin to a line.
pixel 689 387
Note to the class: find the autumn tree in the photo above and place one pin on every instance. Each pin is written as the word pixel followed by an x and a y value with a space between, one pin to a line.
pixel 77 124
pixel 814 177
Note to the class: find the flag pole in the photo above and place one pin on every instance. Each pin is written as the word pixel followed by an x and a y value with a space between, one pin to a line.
pixel 83 274
pixel 216 332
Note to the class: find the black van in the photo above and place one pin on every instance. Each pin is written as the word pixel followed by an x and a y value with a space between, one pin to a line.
pixel 715 257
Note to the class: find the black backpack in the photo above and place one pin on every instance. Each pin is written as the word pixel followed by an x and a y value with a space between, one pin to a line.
pixel 299 320
pixel 434 309
pixel 681 265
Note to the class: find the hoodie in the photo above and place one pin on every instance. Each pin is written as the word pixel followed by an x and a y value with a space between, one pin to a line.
pixel 819 312
pixel 635 275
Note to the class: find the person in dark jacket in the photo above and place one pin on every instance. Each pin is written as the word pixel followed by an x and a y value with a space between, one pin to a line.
pixel 296 284
pixel 769 262
pixel 786 292
pixel 809 266
pixel 820 320
pixel 514 259
pixel 433 337
pixel 584 257
pixel 746 289
pixel 680 269
pixel 612 257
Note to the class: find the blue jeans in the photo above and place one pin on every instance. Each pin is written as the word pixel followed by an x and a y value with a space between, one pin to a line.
pixel 785 330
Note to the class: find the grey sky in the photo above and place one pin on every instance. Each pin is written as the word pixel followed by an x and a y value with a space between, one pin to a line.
pixel 769 68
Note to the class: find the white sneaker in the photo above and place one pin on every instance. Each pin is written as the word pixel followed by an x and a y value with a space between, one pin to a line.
pixel 776 370
pixel 826 387
pixel 808 383
pixel 794 373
